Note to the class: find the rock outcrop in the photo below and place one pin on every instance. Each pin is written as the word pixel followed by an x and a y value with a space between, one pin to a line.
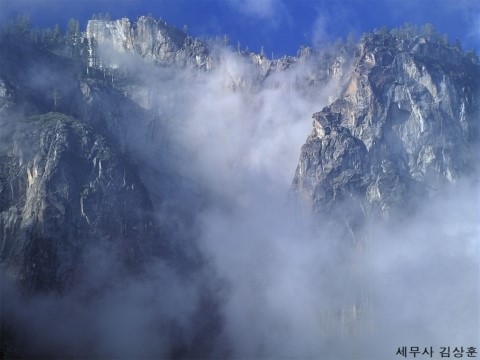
pixel 149 38
pixel 156 41
pixel 406 122
pixel 405 125
pixel 63 189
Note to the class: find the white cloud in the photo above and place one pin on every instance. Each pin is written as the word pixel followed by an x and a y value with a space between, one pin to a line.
pixel 263 9
pixel 319 31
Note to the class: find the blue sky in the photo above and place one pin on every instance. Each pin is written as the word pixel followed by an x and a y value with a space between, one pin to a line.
pixel 280 26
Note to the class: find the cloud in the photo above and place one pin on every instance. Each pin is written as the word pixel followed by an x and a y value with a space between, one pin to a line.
pixel 333 20
pixel 298 291
pixel 320 35
pixel 106 316
pixel 261 9
pixel 471 12
pixel 295 288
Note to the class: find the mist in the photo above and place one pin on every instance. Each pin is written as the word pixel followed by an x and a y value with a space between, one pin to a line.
pixel 290 275
pixel 285 283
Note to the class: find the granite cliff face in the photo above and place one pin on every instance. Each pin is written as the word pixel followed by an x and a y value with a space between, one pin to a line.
pixel 406 121
pixel 156 41
pixel 405 125
pixel 149 38
pixel 64 189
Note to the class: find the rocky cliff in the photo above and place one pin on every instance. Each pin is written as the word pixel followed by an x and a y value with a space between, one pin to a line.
pixel 405 125
pixel 149 38
pixel 64 190
pixel 406 122
pixel 156 41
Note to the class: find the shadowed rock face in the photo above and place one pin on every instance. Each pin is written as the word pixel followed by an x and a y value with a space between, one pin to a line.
pixel 407 117
pixel 76 221
pixel 64 189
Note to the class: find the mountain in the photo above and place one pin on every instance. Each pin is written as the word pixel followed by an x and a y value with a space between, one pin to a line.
pixel 76 177
pixel 138 163
pixel 405 125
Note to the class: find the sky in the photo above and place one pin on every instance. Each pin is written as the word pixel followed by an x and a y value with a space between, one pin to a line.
pixel 280 26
